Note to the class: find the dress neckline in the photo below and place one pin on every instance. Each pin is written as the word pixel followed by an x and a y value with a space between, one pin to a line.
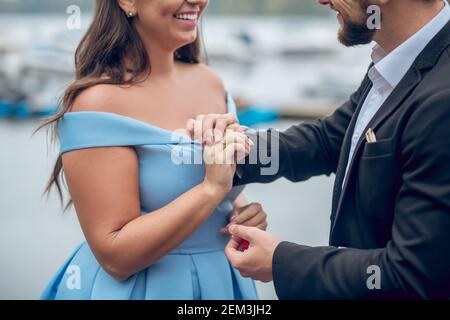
pixel 123 117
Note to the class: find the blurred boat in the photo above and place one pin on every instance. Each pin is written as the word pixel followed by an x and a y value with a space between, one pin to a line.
pixel 232 49
pixel 33 76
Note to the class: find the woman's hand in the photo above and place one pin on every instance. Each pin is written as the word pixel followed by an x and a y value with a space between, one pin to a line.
pixel 251 215
pixel 221 158
pixel 211 128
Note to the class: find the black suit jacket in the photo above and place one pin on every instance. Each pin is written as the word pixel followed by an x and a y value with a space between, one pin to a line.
pixel 393 211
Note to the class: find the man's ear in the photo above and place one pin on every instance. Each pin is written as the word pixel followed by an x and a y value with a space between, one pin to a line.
pixel 127 5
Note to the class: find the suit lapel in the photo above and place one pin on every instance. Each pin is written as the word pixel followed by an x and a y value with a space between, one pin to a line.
pixel 400 93
pixel 343 157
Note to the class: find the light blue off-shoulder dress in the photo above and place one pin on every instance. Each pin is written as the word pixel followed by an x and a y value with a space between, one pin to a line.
pixel 168 167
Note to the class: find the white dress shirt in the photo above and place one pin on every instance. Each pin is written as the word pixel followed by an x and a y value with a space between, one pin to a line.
pixel 389 70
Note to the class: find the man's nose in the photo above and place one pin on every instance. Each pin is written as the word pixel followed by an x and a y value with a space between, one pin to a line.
pixel 325 2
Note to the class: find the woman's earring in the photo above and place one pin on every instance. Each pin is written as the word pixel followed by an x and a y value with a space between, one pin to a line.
pixel 130 14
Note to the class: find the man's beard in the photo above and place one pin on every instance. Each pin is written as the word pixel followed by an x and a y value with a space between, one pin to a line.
pixel 356 33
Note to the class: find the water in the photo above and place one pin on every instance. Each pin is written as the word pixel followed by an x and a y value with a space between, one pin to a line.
pixel 35 237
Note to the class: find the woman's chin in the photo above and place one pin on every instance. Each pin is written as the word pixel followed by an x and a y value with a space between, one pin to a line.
pixel 186 39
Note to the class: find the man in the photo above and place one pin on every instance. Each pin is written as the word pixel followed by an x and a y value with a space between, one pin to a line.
pixel 389 146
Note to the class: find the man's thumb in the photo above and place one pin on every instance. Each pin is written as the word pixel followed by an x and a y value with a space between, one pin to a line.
pixel 241 231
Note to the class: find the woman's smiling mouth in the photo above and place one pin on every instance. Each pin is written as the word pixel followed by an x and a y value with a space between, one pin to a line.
pixel 187 18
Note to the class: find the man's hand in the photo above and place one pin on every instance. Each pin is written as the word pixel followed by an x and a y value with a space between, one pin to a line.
pixel 256 261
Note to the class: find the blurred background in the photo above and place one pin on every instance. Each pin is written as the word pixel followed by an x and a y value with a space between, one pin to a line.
pixel 280 60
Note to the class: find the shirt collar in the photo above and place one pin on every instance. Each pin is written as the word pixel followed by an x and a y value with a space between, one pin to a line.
pixel 393 66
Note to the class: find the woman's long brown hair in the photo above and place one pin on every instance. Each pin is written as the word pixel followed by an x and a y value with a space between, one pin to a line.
pixel 110 40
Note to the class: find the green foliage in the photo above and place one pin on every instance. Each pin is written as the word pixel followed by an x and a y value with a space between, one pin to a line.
pixel 276 7
pixel 235 7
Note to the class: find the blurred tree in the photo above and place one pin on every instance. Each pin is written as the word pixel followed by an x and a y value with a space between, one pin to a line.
pixel 42 6
pixel 276 7
pixel 235 7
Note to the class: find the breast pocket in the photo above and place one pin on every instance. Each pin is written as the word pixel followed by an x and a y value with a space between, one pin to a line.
pixel 376 181
pixel 381 148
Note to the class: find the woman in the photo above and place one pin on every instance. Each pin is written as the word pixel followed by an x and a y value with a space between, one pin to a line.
pixel 155 229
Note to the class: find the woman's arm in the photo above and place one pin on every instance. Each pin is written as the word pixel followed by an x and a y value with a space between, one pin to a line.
pixel 104 185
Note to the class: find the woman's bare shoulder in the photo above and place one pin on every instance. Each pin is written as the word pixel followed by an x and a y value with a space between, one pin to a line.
pixel 209 76
pixel 100 97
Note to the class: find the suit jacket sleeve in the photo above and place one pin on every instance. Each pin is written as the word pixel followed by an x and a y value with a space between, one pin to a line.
pixel 305 150
pixel 416 262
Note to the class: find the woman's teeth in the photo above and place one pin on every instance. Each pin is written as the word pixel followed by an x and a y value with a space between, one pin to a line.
pixel 191 17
